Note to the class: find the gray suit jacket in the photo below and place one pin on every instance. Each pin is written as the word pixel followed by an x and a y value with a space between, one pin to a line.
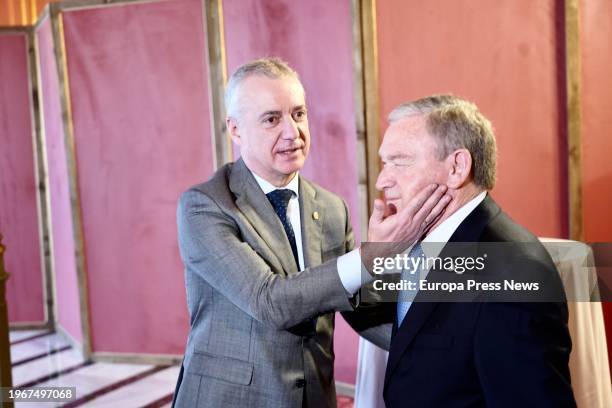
pixel 244 293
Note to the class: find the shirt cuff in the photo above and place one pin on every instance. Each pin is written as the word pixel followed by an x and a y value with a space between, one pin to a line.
pixel 349 270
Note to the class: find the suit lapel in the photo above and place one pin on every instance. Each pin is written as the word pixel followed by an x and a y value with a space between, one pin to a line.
pixel 255 206
pixel 403 335
pixel 311 224
pixel 469 230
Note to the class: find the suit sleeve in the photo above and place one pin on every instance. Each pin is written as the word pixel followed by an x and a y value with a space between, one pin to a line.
pixel 372 320
pixel 348 230
pixel 211 247
pixel 521 353
pixel 372 323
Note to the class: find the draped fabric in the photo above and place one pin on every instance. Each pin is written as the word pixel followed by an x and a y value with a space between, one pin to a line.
pixel 18 191
pixel 138 89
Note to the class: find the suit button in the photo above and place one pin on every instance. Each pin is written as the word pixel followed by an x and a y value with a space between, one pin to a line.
pixel 300 383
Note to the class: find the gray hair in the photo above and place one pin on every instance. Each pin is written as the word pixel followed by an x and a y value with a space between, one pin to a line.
pixel 272 67
pixel 455 124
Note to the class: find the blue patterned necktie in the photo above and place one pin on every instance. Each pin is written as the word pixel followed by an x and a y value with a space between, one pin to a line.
pixel 404 300
pixel 280 200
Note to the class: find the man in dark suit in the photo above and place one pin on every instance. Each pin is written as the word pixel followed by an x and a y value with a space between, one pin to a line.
pixel 264 253
pixel 461 353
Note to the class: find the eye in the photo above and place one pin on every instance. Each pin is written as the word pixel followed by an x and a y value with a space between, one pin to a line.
pixel 271 120
pixel 299 115
pixel 396 163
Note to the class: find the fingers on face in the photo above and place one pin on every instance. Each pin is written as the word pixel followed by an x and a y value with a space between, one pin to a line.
pixel 421 199
pixel 379 210
pixel 433 207
pixel 437 210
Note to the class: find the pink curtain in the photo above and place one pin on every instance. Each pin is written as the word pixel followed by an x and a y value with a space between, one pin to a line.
pixel 139 93
pixel 507 57
pixel 18 189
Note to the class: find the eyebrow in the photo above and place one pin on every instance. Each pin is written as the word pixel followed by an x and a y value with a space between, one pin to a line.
pixel 398 156
pixel 268 113
pixel 277 112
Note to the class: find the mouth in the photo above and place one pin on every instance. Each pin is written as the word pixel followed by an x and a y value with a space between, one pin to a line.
pixel 288 152
pixel 391 204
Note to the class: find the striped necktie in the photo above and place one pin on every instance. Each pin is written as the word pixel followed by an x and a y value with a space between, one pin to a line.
pixel 404 300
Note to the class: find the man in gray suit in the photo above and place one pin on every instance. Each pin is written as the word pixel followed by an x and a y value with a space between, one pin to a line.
pixel 269 257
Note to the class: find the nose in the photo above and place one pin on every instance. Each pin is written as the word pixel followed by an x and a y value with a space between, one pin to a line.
pixel 291 131
pixel 383 181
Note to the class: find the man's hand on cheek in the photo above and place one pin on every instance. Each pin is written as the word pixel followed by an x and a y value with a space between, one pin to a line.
pixel 387 224
pixel 402 228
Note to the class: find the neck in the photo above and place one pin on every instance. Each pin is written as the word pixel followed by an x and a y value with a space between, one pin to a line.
pixel 282 181
pixel 278 180
pixel 460 197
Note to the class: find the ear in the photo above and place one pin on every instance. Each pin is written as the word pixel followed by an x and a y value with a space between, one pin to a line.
pixel 232 128
pixel 459 165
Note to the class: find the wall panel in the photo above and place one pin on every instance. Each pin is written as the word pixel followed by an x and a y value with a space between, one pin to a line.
pixel 18 190
pixel 138 91
pixel 596 91
pixel 68 307
pixel 507 57
pixel 315 38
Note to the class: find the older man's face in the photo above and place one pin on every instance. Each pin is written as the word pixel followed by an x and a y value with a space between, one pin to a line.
pixel 272 127
pixel 409 161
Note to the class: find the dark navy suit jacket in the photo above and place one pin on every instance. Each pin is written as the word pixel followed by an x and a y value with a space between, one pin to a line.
pixel 477 354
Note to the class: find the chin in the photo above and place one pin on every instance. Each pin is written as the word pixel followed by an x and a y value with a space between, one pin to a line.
pixel 292 166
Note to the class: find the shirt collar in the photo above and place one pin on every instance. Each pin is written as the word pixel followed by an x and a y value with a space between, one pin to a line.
pixel 268 187
pixel 442 233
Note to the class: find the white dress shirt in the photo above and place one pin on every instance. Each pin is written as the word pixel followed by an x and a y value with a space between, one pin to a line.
pixel 293 209
pixel 442 233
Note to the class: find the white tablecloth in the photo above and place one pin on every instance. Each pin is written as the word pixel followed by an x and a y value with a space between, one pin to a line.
pixel 589 358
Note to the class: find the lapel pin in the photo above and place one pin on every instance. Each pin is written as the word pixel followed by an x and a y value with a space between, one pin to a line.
pixel 315 215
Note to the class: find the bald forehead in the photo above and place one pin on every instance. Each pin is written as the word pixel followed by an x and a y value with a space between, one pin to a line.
pixel 259 92
pixel 260 82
